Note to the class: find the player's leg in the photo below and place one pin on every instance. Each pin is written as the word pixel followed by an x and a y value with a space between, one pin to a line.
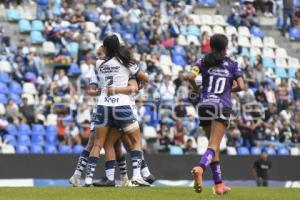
pixel 145 172
pixel 82 161
pixel 122 164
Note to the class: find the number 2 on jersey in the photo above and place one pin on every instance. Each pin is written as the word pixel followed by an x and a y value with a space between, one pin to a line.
pixel 216 85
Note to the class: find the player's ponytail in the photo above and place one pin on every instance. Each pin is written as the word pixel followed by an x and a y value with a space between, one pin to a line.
pixel 218 44
pixel 125 57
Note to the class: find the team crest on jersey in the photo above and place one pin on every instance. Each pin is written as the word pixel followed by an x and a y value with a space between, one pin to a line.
pixel 216 71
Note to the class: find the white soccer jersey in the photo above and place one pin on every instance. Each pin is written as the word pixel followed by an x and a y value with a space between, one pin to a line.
pixel 112 73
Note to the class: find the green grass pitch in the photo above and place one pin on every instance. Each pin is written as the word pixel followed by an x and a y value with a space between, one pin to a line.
pixel 153 193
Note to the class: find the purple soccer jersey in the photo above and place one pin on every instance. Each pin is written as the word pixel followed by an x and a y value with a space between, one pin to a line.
pixel 217 83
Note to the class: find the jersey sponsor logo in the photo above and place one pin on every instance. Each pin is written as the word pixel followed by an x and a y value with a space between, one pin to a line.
pixel 105 69
pixel 111 99
pixel 215 71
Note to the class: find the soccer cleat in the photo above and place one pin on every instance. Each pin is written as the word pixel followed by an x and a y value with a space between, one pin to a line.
pixel 149 179
pixel 124 182
pixel 197 173
pixel 138 182
pixel 220 189
pixel 104 182
pixel 75 181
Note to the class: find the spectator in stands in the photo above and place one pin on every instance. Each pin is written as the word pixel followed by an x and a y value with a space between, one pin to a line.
pixel 248 14
pixel 266 7
pixel 27 111
pixel 270 95
pixel 43 9
pixel 288 13
pixel 260 74
pixel 234 17
pixel 295 85
pixel 260 96
pixel 180 110
pixel 233 47
pixel 191 126
pixel 135 14
pixel 282 96
pixel 72 134
pixel 61 82
pixel 285 132
pixel 167 89
pixel 205 43
pixel 179 131
pixel 189 149
pixel 297 18
pixel 12 112
pixel 164 138
pixel 85 132
pixel 63 56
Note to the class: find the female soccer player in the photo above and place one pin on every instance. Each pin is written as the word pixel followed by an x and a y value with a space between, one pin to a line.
pixel 220 77
pixel 114 109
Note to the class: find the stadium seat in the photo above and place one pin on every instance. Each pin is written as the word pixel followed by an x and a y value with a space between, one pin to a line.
pixel 281 53
pixel 51 130
pixel 11 129
pixel 149 132
pixel 183 30
pixel 295 151
pixel 256 31
pixel 179 60
pixel 38 139
pixel 165 60
pixel 182 40
pixel 293 63
pixel 194 39
pixel 24 129
pixel 36 149
pixel 29 88
pixel 74 70
pixel 255 150
pixel 218 29
pixel 244 31
pixel 77 149
pixel 268 53
pixel 3 88
pixel 3 99
pixel 294 33
pixel 292 72
pixel 219 20
pixel 270 151
pixel 268 62
pixel 5 66
pixel 206 20
pixel 129 38
pixel 91 27
pixel 30 76
pixel 269 42
pixel 243 151
pixel 12 15
pixel 245 52
pixel 24 140
pixel 4 77
pixel 202 142
pixel 230 30
pixel 73 48
pixel 91 16
pixel 15 97
pixel 21 149
pixel 38 129
pixel 37 25
pixel 15 87
pixel 10 139
pixel 206 28
pixel 36 37
pixel 178 51
pixel 208 3
pixel 49 48
pixel 282 151
pixel 255 51
pixel 50 149
pixel 231 151
pixel 256 42
pixel 175 150
pixel 281 62
pixel 51 139
pixel 24 26
pixel 281 72
pixel 64 149
pixel 244 42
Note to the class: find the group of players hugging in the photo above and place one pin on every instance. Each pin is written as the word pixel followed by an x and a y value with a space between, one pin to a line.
pixel 116 82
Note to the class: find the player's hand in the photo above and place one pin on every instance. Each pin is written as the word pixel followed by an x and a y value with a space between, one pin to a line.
pixel 110 91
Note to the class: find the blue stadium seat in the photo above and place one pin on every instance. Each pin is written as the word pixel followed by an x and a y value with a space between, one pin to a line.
pixel 24 140
pixel 12 15
pixel 243 151
pixel 21 149
pixel 279 22
pixel 282 151
pixel 38 140
pixel 24 129
pixel 73 48
pixel 50 149
pixel 16 98
pixel 15 88
pixel 37 25
pixel 10 139
pixel 129 37
pixel 77 149
pixel 74 70
pixel 292 72
pixel 193 30
pixel 91 16
pixel 178 51
pixel 256 31
pixel 24 26
pixel 64 149
pixel 270 150
pixel 294 33
pixel 179 60
pixel 297 3
pixel 4 77
pixel 175 150
pixel 38 129
pixel 3 88
pixel 245 52
pixel 36 37
pixel 36 149
pixel 3 99
pixel 51 130
pixel 268 63
pixel 184 31
pixel 281 72
pixel 51 139
pixel 30 76
pixel 255 150
pixel 11 129
pixel 208 3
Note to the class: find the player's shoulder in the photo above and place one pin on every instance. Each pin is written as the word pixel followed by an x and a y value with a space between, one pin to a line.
pixel 99 62
pixel 230 62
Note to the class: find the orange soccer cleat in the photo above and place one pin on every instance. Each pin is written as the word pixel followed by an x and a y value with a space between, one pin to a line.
pixel 197 173
pixel 220 189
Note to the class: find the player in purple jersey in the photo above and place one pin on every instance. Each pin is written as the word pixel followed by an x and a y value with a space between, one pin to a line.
pixel 220 77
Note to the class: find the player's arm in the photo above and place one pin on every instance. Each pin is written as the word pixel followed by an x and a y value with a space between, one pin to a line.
pixel 192 77
pixel 131 88
pixel 142 76
pixel 238 85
